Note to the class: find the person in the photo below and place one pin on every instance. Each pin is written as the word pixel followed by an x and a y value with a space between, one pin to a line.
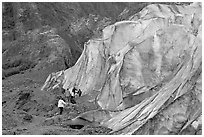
pixel 74 90
pixel 72 100
pixel 79 92
pixel 61 105
pixel 70 96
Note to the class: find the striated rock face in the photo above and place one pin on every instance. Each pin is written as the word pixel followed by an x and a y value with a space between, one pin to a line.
pixel 47 35
pixel 143 67
pixel 41 49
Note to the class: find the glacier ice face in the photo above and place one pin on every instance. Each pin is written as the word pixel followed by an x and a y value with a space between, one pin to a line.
pixel 161 48
pixel 133 54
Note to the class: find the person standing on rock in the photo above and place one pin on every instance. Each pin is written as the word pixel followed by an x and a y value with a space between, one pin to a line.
pixel 61 105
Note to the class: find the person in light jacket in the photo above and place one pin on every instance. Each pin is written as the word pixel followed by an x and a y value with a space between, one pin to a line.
pixel 61 105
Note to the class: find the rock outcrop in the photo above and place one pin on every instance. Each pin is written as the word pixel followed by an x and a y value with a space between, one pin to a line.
pixel 143 67
pixel 50 36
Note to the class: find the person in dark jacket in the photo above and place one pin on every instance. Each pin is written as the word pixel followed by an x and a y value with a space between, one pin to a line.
pixel 79 92
pixel 72 100
pixel 74 91
pixel 71 96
